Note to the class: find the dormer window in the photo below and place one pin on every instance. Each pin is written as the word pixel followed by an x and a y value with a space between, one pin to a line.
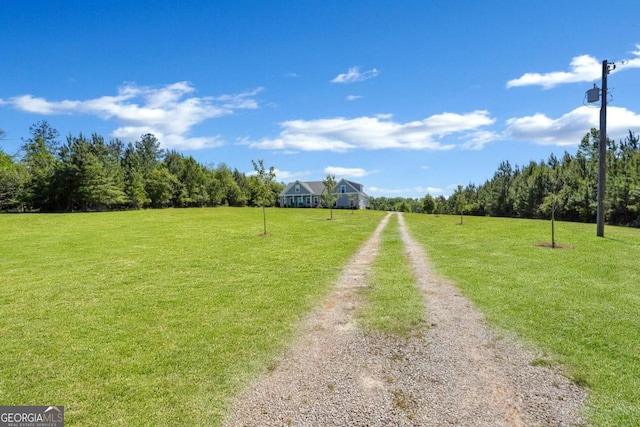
pixel 343 189
pixel 297 188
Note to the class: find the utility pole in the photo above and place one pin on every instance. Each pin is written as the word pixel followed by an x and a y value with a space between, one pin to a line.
pixel 602 156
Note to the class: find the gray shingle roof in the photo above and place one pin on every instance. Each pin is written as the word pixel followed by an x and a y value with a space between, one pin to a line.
pixel 317 188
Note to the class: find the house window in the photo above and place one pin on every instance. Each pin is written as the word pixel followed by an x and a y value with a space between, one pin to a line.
pixel 297 188
pixel 343 188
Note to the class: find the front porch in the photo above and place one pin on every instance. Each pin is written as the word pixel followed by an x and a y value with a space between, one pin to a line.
pixel 299 201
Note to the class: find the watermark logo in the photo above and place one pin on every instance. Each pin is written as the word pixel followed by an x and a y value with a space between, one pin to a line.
pixel 31 416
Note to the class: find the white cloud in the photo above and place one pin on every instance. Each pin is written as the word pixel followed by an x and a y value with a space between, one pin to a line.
pixel 570 128
pixel 385 116
pixel 169 112
pixel 131 133
pixel 375 133
pixel 282 175
pixel 479 139
pixel 346 172
pixel 583 68
pixel 243 100
pixel 629 63
pixel 635 61
pixel 433 190
pixel 353 97
pixel 354 75
pixel 288 176
pixel 408 190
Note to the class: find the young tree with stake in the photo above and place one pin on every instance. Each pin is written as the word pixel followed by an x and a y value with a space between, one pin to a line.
pixel 265 195
pixel 329 197
pixel 353 200
pixel 461 202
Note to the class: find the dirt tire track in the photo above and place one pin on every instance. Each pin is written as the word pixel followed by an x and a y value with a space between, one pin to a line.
pixel 458 373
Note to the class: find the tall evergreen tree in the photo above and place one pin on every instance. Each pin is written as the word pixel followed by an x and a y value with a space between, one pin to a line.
pixel 428 204
pixel 134 182
pixel 39 158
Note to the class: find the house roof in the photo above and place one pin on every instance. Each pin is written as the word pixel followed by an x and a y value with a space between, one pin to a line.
pixel 317 188
pixel 356 186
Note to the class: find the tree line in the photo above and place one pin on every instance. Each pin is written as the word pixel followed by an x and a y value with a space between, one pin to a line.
pixel 92 174
pixel 397 204
pixel 566 185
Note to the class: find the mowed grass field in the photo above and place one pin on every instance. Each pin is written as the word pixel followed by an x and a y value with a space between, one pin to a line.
pixel 161 317
pixel 580 305
pixel 158 317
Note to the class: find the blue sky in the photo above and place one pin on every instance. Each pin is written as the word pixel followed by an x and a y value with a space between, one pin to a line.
pixel 405 97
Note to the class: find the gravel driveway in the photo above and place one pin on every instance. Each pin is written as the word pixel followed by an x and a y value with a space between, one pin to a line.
pixel 458 373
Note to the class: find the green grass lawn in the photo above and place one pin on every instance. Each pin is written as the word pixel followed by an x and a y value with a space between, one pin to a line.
pixel 158 317
pixel 580 305
pixel 394 305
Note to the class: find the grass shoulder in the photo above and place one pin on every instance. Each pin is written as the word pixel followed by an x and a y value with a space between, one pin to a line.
pixel 394 304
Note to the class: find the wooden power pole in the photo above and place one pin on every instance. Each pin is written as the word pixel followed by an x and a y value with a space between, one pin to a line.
pixel 602 156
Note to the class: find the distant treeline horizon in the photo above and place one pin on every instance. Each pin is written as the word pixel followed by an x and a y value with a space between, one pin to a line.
pixel 91 174
pixel 567 185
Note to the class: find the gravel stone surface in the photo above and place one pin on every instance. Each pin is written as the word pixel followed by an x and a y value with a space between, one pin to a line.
pixel 459 372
